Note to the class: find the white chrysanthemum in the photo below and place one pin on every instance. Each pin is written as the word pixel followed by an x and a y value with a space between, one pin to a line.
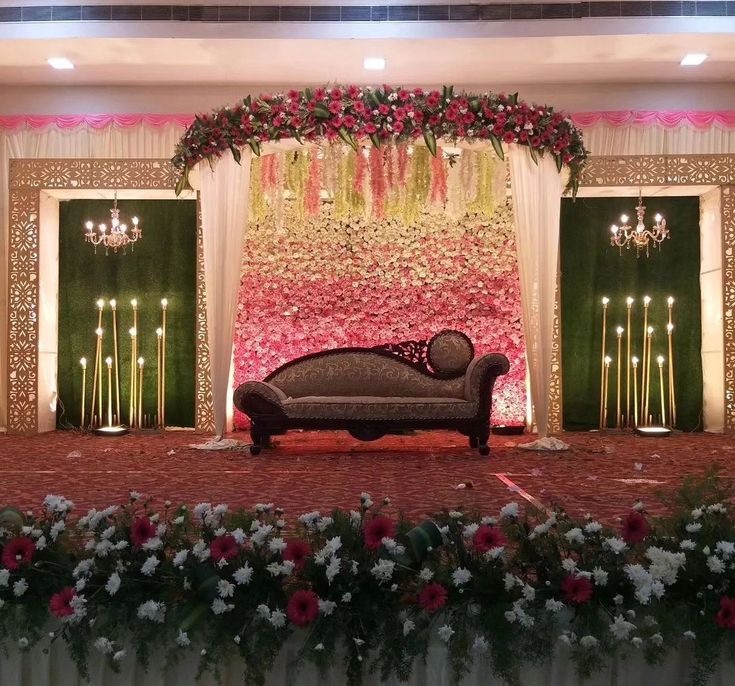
pixel 183 639
pixel 688 544
pixel 239 536
pixel 569 564
pixel 574 535
pixel 600 576
pixel 455 514
pixel 153 611
pixel 489 521
pixel 153 543
pixel 494 553
pixel 263 611
pixel 346 597
pixel 470 530
pixel 426 574
pixel 225 589
pixel 588 642
pixel 715 565
pixel 693 527
pixel 355 518
pixel 726 549
pixel 243 575
pixel 277 545
pixel 113 583
pixel 690 635
pixel 480 644
pixel 617 545
pixel 718 508
pixel 408 627
pixel 323 523
pixel 278 619
pixel 20 587
pixel 510 581
pixel 332 568
pixel 529 593
pixel 510 510
pixel 697 512
pixel 593 527
pixel 178 520
pixel 383 570
pixel 56 529
pixel 621 628
pixel 657 639
pixel 180 558
pixel 554 605
pixel 148 568
pixel 4 577
pixel 461 576
pixel 645 585
pixel 327 607
pixel 103 645
pixel 83 568
pixel 259 536
pixel 637 641
pixel 219 606
pixel 119 655
pixel 200 550
pixel 664 564
pixel 510 615
pixel 57 504
pixel 202 509
pixel 445 633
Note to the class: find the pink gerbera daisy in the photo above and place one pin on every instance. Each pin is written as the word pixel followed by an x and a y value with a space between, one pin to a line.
pixel 303 607
pixel 60 603
pixel 142 531
pixel 635 528
pixel 489 537
pixel 297 551
pixel 18 551
pixel 224 548
pixel 377 529
pixel 432 597
pixel 725 618
pixel 576 589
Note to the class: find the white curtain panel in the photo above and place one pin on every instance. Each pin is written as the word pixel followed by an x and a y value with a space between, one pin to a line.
pixel 83 142
pixel 537 190
pixel 225 196
pixel 55 668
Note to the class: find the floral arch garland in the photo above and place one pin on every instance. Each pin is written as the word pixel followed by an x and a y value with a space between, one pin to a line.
pixel 383 115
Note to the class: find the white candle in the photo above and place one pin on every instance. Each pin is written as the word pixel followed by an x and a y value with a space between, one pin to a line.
pixel 660 361
pixel 634 360
pixel 108 362
pixel 83 362
pixel 164 308
pixel 619 331
pixel 607 362
pixel 141 362
pixel 629 303
pixel 605 302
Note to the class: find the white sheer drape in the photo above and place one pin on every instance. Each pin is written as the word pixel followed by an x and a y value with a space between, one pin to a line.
pixel 79 143
pixel 537 189
pixel 35 668
pixel 225 191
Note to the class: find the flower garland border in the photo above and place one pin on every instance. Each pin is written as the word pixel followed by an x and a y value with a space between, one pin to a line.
pixel 383 115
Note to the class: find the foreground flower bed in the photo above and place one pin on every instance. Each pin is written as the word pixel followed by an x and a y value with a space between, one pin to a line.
pixel 507 588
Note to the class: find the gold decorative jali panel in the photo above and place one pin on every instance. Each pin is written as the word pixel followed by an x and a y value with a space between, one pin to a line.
pixel 27 178
pixel 669 170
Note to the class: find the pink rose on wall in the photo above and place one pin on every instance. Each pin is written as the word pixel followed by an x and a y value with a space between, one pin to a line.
pixel 320 283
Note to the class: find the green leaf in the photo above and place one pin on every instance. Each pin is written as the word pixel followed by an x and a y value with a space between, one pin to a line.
pixel 296 136
pixel 375 140
pixel 559 163
pixel 532 153
pixel 373 97
pixel 475 105
pixel 308 93
pixel 514 98
pixel 247 101
pixel 254 146
pixel 321 111
pixel 347 137
pixel 183 183
pixel 236 153
pixel 430 140
pixel 497 146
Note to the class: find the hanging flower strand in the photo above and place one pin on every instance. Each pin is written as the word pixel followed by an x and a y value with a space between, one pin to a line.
pixel 383 115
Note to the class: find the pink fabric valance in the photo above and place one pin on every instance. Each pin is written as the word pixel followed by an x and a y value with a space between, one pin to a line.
pixel 669 120
pixel 700 120
pixel 95 121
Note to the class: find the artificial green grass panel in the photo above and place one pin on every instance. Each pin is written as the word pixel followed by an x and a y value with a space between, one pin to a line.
pixel 162 265
pixel 591 268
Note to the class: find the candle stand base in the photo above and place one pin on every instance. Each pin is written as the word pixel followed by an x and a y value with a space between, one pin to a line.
pixel 111 430
pixel 653 431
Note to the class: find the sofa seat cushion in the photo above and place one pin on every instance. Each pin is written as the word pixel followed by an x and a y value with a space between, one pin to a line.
pixel 367 407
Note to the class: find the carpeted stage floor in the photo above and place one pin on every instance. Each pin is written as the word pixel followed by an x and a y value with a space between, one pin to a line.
pixel 602 474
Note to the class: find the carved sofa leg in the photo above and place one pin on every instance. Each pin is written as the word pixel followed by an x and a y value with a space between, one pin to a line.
pixel 482 446
pixel 259 439
pixel 474 442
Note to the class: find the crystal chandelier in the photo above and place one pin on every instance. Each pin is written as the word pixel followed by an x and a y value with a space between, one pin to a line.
pixel 640 236
pixel 115 236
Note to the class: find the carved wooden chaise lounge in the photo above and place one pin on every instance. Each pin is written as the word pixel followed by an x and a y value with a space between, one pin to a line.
pixel 370 392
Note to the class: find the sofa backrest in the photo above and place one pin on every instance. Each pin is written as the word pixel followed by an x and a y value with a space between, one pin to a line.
pixel 361 373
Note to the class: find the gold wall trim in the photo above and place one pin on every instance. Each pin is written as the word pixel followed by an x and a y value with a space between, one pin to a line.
pixel 667 170
pixel 555 397
pixel 27 178
pixel 204 416
pixel 728 303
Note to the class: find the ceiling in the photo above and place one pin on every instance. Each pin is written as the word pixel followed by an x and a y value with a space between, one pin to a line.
pixel 527 60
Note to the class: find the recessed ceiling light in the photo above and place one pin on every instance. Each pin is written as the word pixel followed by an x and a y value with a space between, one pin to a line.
pixel 374 63
pixel 60 63
pixel 693 59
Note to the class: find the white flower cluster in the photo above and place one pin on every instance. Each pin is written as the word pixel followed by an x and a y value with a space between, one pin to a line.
pixel 543 528
pixel 153 611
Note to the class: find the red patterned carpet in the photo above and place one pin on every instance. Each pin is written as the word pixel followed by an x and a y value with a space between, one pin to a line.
pixel 602 473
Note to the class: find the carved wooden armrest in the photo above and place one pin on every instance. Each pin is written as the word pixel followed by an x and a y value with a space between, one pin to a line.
pixel 260 392
pixel 481 375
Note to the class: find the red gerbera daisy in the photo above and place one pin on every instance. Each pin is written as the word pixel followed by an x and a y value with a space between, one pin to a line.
pixel 489 537
pixel 297 551
pixel 224 548
pixel 576 589
pixel 18 551
pixel 377 529
pixel 303 607
pixel 142 531
pixel 635 528
pixel 432 597
pixel 726 616
pixel 60 603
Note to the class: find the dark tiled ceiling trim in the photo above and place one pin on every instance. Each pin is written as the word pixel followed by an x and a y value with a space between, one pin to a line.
pixel 370 13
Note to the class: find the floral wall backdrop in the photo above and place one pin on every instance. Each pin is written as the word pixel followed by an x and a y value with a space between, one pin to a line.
pixel 313 281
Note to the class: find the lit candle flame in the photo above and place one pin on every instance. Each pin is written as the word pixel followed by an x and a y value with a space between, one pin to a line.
pixel 141 361
pixel 83 362
pixel 164 303
pixel 608 360
pixel 660 360
pixel 669 327
pixel 629 301
pixel 100 303
pixel 159 332
pixel 635 361
pixel 646 300
pixel 98 332
pixel 133 332
pixel 108 362
pixel 650 330
pixel 113 304
pixel 134 302
pixel 670 300
pixel 605 301
pixel 620 330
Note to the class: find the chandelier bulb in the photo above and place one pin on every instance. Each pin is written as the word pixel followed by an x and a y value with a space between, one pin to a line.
pixel 614 229
pixel 89 226
pixel 658 218
pixel 135 221
pixel 624 218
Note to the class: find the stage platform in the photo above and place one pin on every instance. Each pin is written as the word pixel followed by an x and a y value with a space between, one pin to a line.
pixel 602 473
